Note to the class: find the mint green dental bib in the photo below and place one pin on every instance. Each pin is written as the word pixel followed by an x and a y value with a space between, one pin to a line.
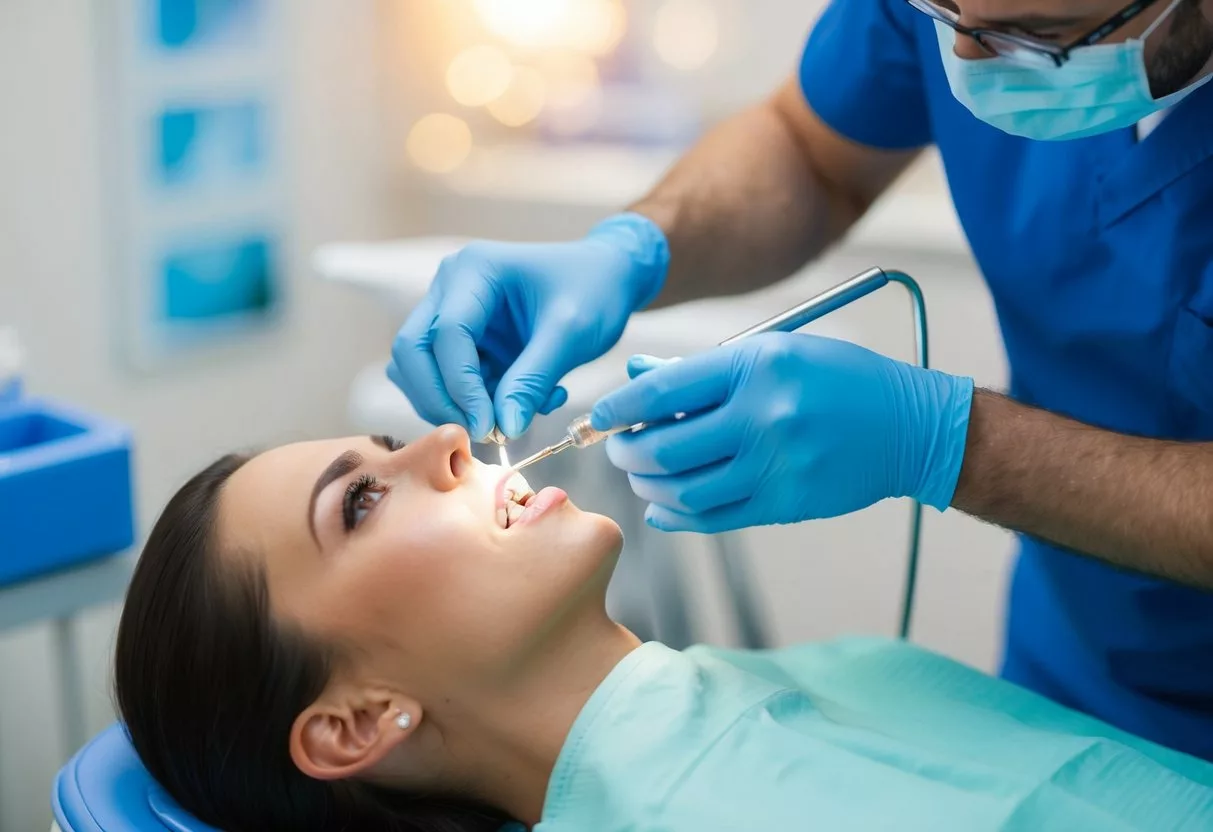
pixel 860 734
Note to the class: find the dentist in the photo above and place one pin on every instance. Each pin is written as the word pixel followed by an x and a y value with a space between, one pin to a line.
pixel 1077 137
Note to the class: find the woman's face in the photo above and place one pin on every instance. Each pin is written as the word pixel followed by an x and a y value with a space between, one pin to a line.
pixel 401 554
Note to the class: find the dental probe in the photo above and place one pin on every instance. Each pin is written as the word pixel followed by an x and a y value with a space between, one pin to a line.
pixel 581 434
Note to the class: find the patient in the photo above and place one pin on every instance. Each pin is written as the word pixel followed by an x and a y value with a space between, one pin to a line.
pixel 357 635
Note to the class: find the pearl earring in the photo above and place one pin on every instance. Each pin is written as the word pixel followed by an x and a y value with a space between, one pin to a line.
pixel 403 721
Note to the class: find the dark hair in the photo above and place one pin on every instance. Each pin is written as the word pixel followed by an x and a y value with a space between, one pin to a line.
pixel 208 685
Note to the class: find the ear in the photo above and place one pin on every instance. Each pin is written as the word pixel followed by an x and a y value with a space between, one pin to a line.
pixel 345 733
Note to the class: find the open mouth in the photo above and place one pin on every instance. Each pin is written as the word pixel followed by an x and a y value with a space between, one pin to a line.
pixel 513 495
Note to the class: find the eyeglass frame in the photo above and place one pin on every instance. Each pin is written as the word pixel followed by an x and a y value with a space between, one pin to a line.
pixel 1058 54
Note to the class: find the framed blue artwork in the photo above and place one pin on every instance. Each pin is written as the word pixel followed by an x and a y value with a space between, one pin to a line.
pixel 196 24
pixel 217 279
pixel 197 186
pixel 201 144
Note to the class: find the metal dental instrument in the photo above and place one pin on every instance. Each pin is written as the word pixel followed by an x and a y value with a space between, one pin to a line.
pixel 496 437
pixel 581 434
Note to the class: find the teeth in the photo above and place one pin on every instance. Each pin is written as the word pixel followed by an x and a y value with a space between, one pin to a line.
pixel 517 486
pixel 515 510
pixel 516 491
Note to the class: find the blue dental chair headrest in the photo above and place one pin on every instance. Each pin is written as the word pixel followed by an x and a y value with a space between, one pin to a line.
pixel 105 788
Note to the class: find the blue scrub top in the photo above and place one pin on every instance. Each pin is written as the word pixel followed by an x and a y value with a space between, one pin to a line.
pixel 1099 256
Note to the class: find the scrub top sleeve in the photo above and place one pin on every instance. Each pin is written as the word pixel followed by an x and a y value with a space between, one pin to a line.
pixel 861 73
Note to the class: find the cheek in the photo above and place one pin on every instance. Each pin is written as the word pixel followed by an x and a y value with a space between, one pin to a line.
pixel 422 557
pixel 454 598
pixel 401 575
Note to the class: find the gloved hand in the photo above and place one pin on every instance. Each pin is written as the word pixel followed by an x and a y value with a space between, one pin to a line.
pixel 504 322
pixel 782 428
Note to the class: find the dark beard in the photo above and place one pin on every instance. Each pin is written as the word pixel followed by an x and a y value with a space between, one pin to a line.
pixel 1188 47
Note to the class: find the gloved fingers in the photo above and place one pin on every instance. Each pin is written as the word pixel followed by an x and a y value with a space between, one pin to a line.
pixel 699 491
pixel 728 518
pixel 688 386
pixel 557 400
pixel 415 370
pixel 530 382
pixel 638 365
pixel 493 370
pixel 460 321
pixel 677 447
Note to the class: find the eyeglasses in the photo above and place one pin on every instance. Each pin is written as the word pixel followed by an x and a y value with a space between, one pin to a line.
pixel 1027 50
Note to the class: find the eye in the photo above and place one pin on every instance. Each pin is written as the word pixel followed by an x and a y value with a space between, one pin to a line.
pixel 360 497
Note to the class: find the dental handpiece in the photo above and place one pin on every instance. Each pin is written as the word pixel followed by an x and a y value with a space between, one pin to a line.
pixel 581 434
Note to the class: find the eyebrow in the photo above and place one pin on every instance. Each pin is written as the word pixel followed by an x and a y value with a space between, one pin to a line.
pixel 338 468
pixel 347 463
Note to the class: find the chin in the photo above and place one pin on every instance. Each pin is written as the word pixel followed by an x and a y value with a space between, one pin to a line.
pixel 582 535
pixel 609 533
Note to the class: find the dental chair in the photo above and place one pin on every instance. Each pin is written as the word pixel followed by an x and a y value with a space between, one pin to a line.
pixel 105 788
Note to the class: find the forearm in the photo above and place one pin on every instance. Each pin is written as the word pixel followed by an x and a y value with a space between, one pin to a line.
pixel 750 204
pixel 1143 504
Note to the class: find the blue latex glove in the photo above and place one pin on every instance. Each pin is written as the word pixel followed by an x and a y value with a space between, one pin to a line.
pixel 503 323
pixel 782 428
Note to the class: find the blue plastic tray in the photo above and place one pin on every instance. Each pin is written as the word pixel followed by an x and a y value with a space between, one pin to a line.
pixel 65 488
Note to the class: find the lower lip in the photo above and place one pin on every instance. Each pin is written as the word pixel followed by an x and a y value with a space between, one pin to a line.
pixel 539 505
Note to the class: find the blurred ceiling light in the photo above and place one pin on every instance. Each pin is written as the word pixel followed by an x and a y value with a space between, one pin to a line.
pixel 478 75
pixel 686 34
pixel 527 23
pixel 523 100
pixel 572 79
pixel 598 26
pixel 593 27
pixel 439 143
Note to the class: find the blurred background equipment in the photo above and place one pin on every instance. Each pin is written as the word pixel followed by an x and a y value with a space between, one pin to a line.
pixel 196 185
pixel 171 168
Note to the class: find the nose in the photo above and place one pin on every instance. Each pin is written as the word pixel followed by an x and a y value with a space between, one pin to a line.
pixel 968 49
pixel 444 457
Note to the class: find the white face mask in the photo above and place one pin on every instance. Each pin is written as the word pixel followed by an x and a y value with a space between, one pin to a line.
pixel 1101 88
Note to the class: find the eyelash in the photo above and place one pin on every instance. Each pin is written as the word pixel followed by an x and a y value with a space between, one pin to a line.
pixel 353 494
pixel 364 484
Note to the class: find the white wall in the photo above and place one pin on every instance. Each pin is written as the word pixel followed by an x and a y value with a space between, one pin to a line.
pixel 54 287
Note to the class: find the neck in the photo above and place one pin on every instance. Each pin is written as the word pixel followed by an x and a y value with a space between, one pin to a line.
pixel 506 739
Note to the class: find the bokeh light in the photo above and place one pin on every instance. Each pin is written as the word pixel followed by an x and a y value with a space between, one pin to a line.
pixel 686 34
pixel 523 100
pixel 527 23
pixel 439 143
pixel 593 27
pixel 598 26
pixel 478 75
